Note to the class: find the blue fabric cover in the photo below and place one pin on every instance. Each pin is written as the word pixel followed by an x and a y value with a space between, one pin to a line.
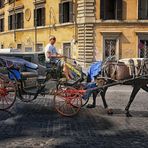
pixel 15 74
pixel 95 69
pixel 18 62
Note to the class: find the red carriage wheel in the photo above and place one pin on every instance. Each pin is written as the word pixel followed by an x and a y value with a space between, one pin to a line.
pixel 67 102
pixel 7 93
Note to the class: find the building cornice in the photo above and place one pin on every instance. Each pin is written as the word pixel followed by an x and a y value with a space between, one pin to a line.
pixel 39 2
pixel 16 8
pixel 39 28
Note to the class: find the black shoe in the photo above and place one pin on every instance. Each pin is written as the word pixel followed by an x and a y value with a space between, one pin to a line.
pixel 91 106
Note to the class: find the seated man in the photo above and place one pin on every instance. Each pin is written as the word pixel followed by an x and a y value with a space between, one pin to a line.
pixel 52 56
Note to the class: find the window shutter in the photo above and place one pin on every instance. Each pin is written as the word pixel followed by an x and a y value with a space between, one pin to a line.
pixel 102 9
pixel 119 9
pixel 3 24
pixel 14 21
pixel 0 25
pixel 43 16
pixel 35 17
pixel 71 14
pixel 139 9
pixel 22 20
pixel 8 22
pixel 61 13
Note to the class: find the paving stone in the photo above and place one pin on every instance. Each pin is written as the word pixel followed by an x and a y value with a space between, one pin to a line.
pixel 36 124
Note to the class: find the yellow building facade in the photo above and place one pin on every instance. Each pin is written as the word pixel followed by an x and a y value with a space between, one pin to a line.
pixel 25 37
pixel 87 30
pixel 128 34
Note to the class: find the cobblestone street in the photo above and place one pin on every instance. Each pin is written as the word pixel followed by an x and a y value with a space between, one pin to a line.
pixel 37 124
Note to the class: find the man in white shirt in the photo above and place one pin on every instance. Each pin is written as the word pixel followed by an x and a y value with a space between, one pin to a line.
pixel 51 55
pixel 50 50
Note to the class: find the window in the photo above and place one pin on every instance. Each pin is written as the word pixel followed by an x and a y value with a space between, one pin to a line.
pixel 111 9
pixel 110 47
pixel 143 9
pixel 111 43
pixel 39 17
pixel 19 46
pixel 28 49
pixel 66 12
pixel 11 22
pixel 2 25
pixel 2 3
pixel 67 50
pixel 39 47
pixel 143 48
pixel 19 20
pixel 16 21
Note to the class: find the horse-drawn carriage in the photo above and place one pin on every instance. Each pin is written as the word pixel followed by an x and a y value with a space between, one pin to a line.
pixel 15 72
pixel 68 95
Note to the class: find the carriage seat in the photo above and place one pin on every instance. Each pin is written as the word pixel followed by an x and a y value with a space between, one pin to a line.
pixel 29 74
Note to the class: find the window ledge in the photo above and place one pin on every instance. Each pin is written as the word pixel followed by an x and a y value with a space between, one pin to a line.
pixel 108 21
pixel 64 24
pixel 39 2
pixel 121 21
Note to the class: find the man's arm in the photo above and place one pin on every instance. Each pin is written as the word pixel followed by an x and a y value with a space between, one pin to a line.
pixel 50 55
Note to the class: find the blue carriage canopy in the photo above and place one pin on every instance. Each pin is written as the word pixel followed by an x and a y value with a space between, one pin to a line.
pixel 17 63
pixel 94 70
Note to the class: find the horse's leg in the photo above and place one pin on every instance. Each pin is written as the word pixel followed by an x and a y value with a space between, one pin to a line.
pixel 95 93
pixel 145 88
pixel 103 93
pixel 134 92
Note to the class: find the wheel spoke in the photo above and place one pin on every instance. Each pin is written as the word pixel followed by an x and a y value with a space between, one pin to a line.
pixel 68 102
pixel 60 106
pixel 6 100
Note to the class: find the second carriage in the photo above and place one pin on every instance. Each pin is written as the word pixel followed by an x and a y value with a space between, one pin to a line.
pixel 14 73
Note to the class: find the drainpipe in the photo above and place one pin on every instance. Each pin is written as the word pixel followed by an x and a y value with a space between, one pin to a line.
pixel 35 29
pixel 84 35
pixel 14 21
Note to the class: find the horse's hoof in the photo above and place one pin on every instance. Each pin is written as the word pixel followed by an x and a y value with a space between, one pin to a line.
pixel 91 106
pixel 128 115
pixel 109 111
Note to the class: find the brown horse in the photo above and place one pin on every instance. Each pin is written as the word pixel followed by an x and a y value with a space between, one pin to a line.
pixel 116 72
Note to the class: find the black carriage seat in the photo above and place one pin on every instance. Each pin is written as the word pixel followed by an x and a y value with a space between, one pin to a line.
pixel 27 74
pixel 31 71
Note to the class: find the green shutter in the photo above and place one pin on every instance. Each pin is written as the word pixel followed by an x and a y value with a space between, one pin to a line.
pixel 43 16
pixel 22 20
pixel 71 13
pixel 139 9
pixel 102 9
pixel 119 9
pixel 0 25
pixel 9 22
pixel 35 17
pixel 14 21
pixel 61 13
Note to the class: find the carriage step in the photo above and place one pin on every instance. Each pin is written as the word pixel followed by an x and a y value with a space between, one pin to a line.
pixel 41 79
